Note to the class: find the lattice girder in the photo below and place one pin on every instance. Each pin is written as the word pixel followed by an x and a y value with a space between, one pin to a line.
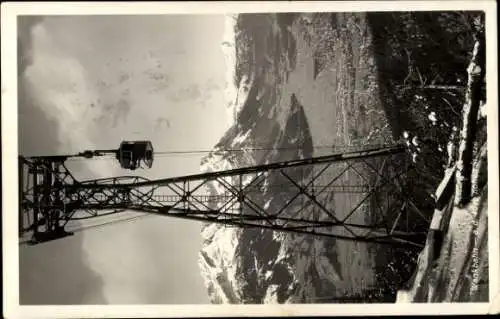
pixel 359 196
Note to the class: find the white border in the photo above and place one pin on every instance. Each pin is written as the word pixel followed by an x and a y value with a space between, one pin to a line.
pixel 9 155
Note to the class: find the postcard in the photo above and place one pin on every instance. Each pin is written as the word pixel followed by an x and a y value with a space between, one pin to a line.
pixel 249 158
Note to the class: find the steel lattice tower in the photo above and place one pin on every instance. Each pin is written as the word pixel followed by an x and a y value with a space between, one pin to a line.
pixel 358 196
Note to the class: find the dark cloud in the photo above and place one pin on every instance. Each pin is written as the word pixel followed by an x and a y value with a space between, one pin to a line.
pixel 24 26
pixel 152 261
pixel 191 92
pixel 121 112
pixel 57 273
pixel 162 123
pixel 114 113
pixel 53 273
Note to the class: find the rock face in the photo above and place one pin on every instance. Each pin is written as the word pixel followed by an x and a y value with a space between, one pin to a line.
pixel 339 72
pixel 274 105
pixel 253 265
pixel 257 266
pixel 250 265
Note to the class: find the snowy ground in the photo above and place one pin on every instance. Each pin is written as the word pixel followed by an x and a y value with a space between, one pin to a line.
pixel 459 273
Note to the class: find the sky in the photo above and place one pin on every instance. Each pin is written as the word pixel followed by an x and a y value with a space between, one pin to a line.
pixel 89 82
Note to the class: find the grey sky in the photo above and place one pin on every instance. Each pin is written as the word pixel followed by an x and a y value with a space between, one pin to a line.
pixel 90 83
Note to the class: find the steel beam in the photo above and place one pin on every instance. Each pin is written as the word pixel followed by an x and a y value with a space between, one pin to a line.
pixel 337 200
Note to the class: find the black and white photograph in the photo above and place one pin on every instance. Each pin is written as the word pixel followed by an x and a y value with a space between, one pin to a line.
pixel 337 155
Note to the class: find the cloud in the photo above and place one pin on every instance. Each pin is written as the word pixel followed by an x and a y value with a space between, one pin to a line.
pixel 75 77
pixel 25 24
pixel 60 86
pixel 58 83
pixel 54 273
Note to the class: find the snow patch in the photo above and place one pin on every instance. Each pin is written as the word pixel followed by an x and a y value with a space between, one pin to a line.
pixel 268 274
pixel 432 117
pixel 482 110
pixel 266 205
pixel 241 138
pixel 271 295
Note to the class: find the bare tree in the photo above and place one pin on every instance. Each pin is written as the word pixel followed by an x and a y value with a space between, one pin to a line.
pixel 476 73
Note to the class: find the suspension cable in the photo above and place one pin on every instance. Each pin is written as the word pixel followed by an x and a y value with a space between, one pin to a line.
pixel 214 151
pixel 112 222
pixel 97 226
pixel 169 153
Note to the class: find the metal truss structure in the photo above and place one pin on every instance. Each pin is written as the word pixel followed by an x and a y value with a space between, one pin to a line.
pixel 359 196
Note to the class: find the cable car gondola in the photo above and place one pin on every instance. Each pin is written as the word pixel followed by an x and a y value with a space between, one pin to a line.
pixel 135 154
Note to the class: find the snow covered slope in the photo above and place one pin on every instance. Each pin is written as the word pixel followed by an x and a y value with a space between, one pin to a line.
pixel 273 76
pixel 248 265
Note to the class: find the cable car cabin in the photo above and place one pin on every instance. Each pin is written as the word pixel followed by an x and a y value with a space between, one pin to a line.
pixel 132 154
